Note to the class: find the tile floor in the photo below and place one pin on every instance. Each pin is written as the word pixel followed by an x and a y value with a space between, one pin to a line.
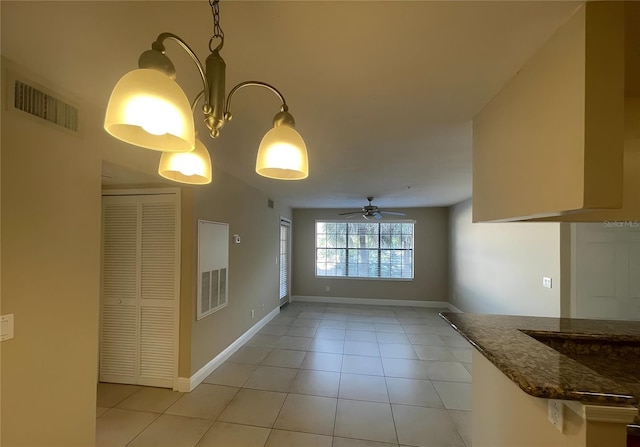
pixel 318 375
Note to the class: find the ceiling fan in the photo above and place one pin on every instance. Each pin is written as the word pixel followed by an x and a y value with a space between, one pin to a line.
pixel 369 211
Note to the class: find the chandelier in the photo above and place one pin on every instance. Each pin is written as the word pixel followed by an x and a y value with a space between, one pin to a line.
pixel 148 108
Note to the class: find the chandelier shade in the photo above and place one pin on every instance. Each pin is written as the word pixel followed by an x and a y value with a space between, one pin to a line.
pixel 148 109
pixel 193 167
pixel 283 155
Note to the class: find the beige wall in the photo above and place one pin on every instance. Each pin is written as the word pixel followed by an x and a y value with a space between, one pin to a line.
pixel 630 210
pixel 253 271
pixel 556 129
pixel 50 280
pixel 505 416
pixel 498 267
pixel 431 273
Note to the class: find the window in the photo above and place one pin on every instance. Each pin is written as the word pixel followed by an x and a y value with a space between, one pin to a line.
pixel 364 249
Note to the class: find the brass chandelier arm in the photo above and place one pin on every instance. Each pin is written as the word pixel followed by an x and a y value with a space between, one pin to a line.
pixel 227 107
pixel 158 45
pixel 195 101
pixel 216 108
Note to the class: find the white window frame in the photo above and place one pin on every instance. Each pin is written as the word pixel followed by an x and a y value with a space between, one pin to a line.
pixel 284 222
pixel 366 278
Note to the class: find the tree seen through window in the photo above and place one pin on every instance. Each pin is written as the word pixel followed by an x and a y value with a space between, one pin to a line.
pixel 364 249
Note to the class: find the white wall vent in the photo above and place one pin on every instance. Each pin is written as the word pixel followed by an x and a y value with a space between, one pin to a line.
pixel 270 203
pixel 213 265
pixel 42 105
pixel 213 294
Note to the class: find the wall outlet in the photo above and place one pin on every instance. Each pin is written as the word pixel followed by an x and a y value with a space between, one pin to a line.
pixel 327 288
pixel 253 314
pixel 546 282
pixel 555 414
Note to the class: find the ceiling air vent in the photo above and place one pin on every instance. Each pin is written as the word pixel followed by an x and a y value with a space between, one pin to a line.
pixel 37 103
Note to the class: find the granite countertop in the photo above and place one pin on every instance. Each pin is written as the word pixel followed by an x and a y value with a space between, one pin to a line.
pixel 594 361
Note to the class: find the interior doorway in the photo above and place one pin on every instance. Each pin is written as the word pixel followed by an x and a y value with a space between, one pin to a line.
pixel 285 260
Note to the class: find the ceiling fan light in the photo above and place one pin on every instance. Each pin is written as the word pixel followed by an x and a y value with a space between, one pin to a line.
pixel 283 155
pixel 148 109
pixel 193 167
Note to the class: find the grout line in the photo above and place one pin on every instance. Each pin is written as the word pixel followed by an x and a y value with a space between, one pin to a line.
pixel 205 434
pixel 393 418
pixel 360 316
pixel 147 426
pixel 124 398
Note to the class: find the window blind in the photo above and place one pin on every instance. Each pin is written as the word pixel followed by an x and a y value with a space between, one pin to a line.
pixel 285 232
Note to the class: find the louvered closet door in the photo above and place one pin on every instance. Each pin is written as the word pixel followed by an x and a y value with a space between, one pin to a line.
pixel 140 290
pixel 158 292
pixel 120 278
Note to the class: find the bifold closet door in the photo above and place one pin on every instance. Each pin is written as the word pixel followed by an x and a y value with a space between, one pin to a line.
pixel 140 290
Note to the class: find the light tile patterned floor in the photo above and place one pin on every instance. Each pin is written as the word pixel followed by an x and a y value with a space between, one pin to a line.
pixel 322 375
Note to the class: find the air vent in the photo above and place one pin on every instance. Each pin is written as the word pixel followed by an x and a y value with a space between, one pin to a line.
pixel 270 203
pixel 37 103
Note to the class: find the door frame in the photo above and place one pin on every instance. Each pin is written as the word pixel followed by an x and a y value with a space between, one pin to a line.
pixel 284 221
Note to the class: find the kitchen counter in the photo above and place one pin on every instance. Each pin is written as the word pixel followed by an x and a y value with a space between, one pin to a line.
pixel 591 361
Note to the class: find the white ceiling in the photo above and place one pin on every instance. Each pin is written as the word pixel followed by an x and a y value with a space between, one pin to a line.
pixel 383 92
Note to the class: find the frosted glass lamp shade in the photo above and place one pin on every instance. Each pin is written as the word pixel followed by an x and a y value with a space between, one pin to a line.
pixel 148 109
pixel 283 155
pixel 187 167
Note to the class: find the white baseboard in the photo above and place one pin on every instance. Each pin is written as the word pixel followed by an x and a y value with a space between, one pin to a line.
pixel 453 308
pixel 188 384
pixel 183 385
pixel 372 301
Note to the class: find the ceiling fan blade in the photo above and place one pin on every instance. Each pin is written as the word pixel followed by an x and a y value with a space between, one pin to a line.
pixel 370 211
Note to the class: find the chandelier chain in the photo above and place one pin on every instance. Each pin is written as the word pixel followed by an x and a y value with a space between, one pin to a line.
pixel 217 29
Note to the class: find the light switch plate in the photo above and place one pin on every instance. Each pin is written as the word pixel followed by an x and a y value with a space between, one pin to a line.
pixel 6 325
pixel 546 282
